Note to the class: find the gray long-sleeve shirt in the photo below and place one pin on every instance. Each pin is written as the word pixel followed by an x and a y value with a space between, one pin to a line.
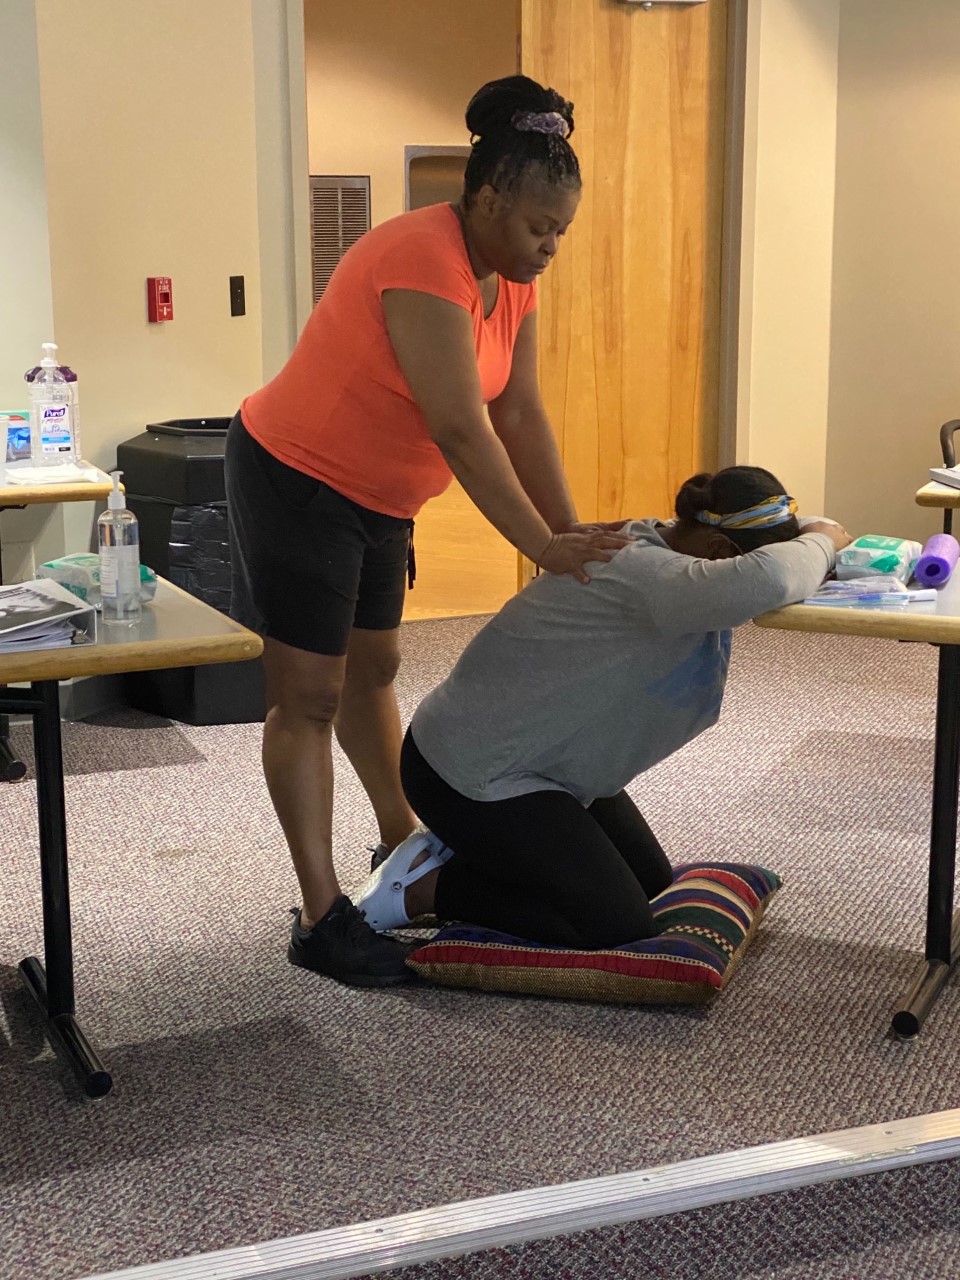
pixel 581 687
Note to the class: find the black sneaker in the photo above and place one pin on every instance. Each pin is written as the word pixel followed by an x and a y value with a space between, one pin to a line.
pixel 343 946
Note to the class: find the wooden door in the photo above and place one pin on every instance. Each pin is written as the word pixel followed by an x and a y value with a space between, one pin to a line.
pixel 629 310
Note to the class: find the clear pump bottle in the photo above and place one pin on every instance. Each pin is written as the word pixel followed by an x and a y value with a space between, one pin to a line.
pixel 50 350
pixel 52 439
pixel 118 534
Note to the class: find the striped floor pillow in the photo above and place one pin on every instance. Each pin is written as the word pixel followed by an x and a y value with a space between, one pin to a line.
pixel 707 918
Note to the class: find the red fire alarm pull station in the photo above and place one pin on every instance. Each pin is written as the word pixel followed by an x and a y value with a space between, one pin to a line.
pixel 159 299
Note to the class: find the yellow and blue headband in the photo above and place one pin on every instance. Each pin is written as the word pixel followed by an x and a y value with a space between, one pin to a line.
pixel 763 515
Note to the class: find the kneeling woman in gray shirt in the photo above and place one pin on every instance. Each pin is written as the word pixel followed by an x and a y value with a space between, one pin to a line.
pixel 517 762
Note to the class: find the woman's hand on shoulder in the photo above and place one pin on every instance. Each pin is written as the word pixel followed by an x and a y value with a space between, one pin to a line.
pixel 569 550
pixel 835 532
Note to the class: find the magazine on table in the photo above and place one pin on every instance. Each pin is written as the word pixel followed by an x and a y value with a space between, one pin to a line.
pixel 42 615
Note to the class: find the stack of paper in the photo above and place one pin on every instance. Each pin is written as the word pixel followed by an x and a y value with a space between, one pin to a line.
pixel 41 615
pixel 946 475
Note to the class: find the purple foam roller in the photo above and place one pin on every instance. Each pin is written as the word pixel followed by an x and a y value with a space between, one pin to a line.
pixel 937 560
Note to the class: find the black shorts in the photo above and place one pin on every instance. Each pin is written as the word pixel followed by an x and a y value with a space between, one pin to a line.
pixel 307 564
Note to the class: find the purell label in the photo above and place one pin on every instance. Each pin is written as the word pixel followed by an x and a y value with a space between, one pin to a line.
pixel 55 434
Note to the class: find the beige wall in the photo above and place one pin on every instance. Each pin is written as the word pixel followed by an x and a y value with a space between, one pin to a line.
pixel 896 310
pixel 787 242
pixel 384 76
pixel 151 170
pixel 26 309
pixel 26 313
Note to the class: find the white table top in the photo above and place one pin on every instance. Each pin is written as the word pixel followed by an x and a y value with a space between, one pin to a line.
pixel 933 622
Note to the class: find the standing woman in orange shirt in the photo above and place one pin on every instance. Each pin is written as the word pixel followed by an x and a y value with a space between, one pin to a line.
pixel 427 318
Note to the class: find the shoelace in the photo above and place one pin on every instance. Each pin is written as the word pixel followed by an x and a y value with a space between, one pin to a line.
pixel 352 921
pixel 353 924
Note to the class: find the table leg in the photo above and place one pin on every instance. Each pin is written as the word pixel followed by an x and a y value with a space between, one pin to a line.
pixel 943 927
pixel 12 769
pixel 53 989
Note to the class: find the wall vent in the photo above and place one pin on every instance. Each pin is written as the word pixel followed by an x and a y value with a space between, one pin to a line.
pixel 339 215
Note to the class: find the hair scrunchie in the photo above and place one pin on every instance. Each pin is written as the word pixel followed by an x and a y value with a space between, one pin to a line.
pixel 540 122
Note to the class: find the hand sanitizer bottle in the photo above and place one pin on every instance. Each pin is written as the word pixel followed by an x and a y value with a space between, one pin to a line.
pixel 71 380
pixel 118 534
pixel 52 441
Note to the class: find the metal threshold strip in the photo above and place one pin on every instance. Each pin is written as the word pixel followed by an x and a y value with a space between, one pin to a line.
pixel 515 1217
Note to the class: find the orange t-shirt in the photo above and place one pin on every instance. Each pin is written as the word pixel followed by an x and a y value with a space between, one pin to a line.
pixel 340 409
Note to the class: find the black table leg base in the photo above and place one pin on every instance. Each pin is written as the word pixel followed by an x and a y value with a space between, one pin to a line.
pixel 929 982
pixel 11 769
pixel 66 1036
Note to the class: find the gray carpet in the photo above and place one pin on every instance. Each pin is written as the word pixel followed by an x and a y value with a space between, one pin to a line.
pixel 255 1101
pixel 903 1225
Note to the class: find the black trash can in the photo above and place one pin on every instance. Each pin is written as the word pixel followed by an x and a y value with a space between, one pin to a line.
pixel 173 476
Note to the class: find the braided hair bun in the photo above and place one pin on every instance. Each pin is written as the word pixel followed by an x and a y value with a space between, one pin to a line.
pixel 519 129
pixel 696 495
pixel 493 107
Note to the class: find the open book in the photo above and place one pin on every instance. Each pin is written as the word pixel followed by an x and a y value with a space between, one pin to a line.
pixel 41 615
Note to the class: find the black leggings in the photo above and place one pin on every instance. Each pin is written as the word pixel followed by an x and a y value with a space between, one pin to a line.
pixel 541 866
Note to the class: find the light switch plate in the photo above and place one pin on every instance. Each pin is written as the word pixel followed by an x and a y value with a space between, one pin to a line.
pixel 238 302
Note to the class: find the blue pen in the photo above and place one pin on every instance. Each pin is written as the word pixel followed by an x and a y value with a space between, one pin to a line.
pixel 843 601
pixel 899 597
pixel 850 602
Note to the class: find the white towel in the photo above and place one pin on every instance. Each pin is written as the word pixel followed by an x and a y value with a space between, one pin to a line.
pixel 68 473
